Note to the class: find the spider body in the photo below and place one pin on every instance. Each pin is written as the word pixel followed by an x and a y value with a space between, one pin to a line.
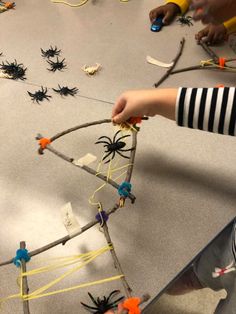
pixel 40 95
pixel 114 146
pixel 51 52
pixel 65 91
pixel 102 305
pixel 185 20
pixel 14 70
pixel 58 65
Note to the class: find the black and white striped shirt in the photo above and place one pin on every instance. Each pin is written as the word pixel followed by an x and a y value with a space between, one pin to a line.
pixel 208 109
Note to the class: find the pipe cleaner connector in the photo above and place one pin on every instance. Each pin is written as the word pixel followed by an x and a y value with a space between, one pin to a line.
pixel 102 217
pixel 21 254
pixel 132 305
pixel 43 143
pixel 124 189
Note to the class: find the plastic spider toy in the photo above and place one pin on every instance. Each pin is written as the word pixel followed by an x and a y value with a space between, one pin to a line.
pixel 114 146
pixel 51 52
pixel 103 305
pixel 40 95
pixel 14 70
pixel 58 65
pixel 65 91
pixel 185 20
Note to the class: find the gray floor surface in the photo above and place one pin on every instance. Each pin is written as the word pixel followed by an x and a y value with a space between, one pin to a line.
pixel 184 180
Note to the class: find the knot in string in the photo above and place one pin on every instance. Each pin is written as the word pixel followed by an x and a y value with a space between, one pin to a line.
pixel 21 254
pixel 124 189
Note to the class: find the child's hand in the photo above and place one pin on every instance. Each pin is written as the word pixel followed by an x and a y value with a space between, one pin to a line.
pixel 145 103
pixel 169 11
pixel 212 34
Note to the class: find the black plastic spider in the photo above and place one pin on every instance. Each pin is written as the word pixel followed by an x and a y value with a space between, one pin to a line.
pixel 103 305
pixel 114 146
pixel 58 65
pixel 65 91
pixel 40 95
pixel 15 70
pixel 185 20
pixel 51 52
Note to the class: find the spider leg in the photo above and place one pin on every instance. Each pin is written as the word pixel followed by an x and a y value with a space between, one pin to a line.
pixel 122 137
pixel 114 137
pixel 106 137
pixel 92 298
pixel 89 307
pixel 107 156
pixel 102 142
pixel 112 294
pixel 122 154
pixel 112 157
pixel 114 303
pixel 126 150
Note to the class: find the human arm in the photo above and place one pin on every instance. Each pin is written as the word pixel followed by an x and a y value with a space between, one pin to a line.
pixel 213 11
pixel 169 10
pixel 208 109
pixel 214 33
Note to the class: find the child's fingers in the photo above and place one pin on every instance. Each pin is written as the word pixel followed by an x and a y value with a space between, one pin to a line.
pixel 168 18
pixel 119 106
pixel 201 34
pixel 155 13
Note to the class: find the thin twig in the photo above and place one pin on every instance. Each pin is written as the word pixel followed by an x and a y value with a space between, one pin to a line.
pixel 175 60
pixel 117 265
pixel 64 239
pixel 210 52
pixel 25 288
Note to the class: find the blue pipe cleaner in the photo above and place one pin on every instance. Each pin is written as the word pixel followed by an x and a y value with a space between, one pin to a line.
pixel 104 216
pixel 124 189
pixel 21 254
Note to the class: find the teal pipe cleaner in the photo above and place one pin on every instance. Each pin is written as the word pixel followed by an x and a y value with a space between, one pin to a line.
pixel 124 189
pixel 21 254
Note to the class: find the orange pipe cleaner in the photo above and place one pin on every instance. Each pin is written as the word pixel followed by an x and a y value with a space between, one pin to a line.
pixel 222 62
pixel 132 305
pixel 43 142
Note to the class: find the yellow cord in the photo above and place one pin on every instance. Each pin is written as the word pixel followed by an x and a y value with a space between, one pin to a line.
pixel 84 258
pixel 214 65
pixel 70 4
pixel 78 4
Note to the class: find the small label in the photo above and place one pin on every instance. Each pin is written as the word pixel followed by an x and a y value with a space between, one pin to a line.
pixel 69 220
pixel 85 161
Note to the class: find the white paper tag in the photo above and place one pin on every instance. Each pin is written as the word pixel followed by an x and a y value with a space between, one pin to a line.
pixel 85 161
pixel 69 220
pixel 158 63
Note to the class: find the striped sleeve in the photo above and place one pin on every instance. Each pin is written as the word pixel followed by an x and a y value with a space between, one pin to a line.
pixel 208 109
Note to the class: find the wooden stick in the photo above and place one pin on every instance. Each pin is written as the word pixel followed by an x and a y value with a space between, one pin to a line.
pixel 210 52
pixel 175 60
pixel 117 265
pixel 25 287
pixel 64 239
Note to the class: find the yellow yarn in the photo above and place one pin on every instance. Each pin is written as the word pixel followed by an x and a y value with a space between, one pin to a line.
pixel 78 4
pixel 84 259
